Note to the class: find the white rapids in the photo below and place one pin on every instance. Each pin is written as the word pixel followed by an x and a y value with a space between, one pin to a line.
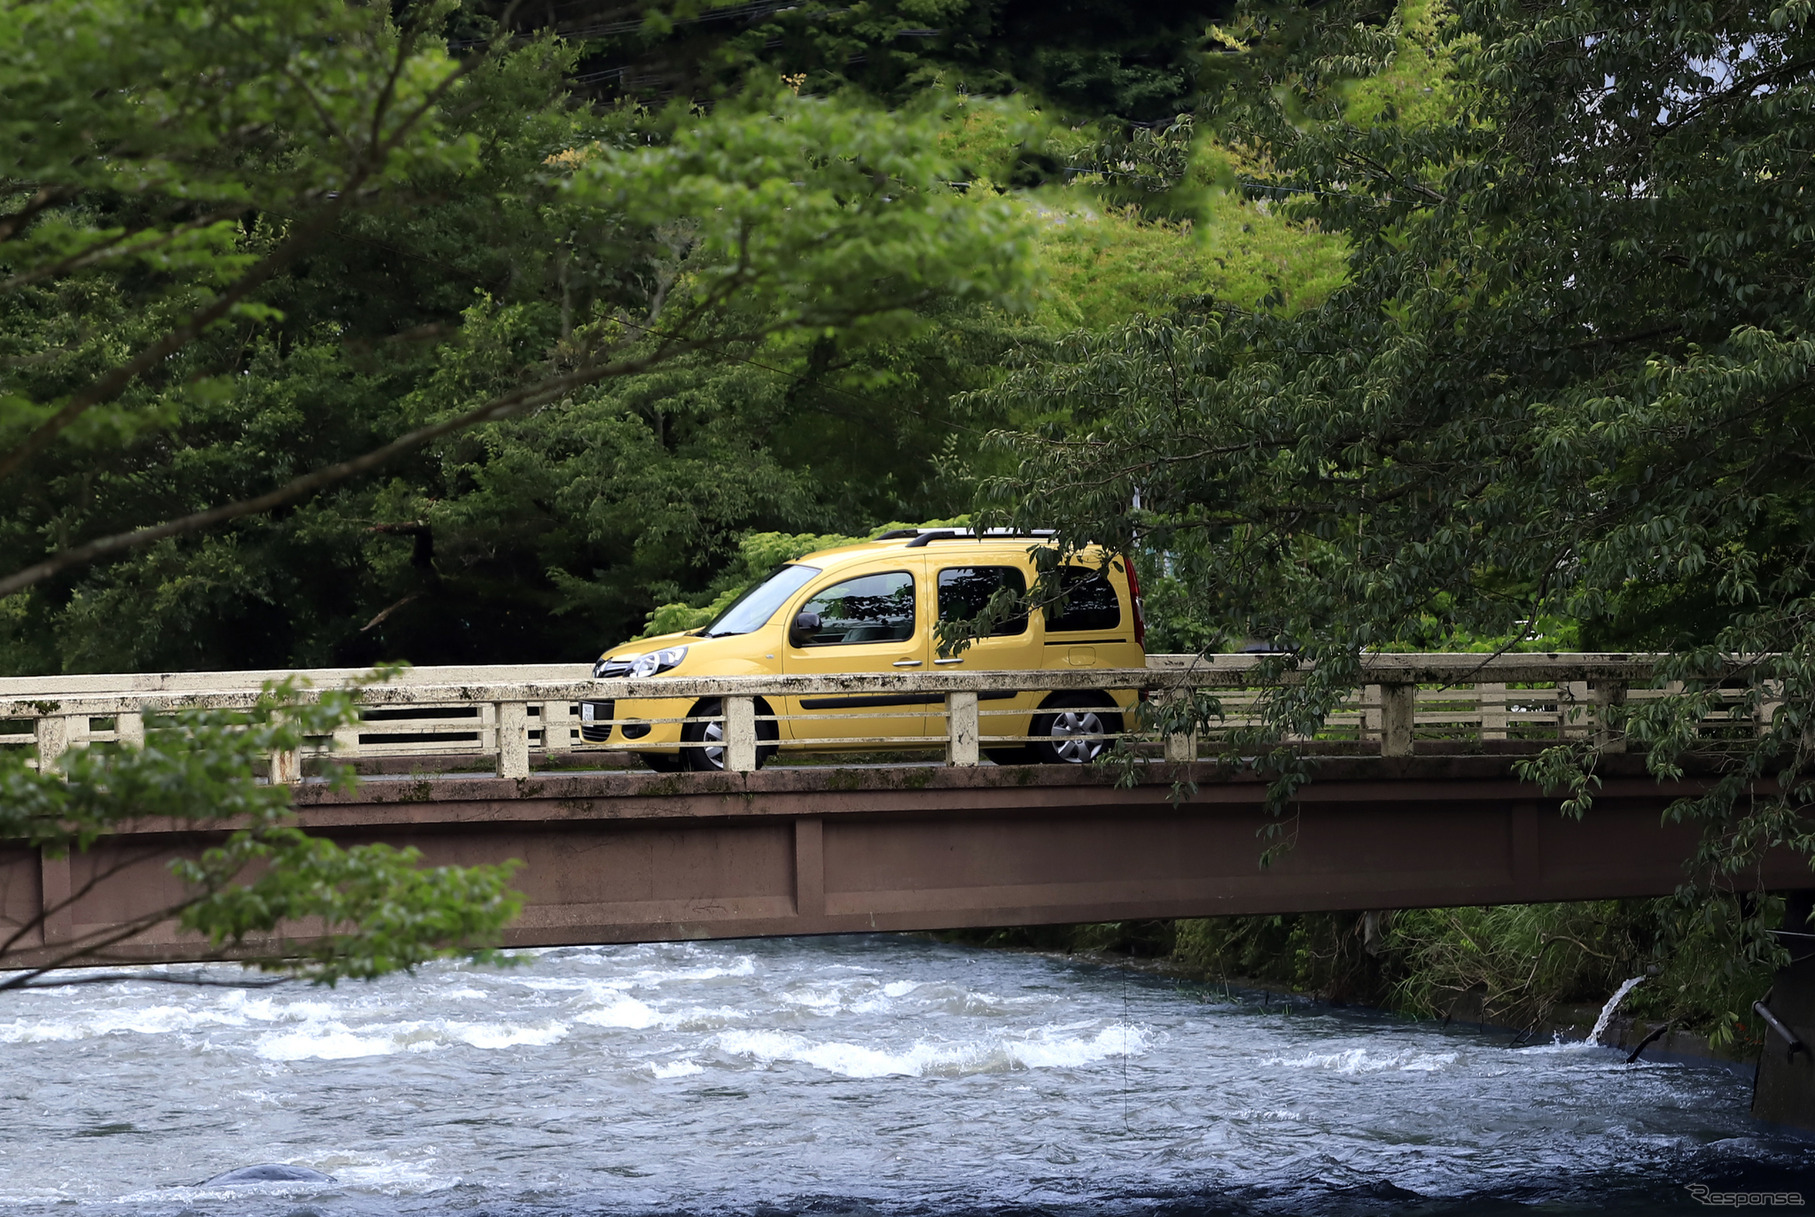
pixel 877 1075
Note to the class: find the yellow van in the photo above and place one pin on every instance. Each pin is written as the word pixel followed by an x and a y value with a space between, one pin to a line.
pixel 874 607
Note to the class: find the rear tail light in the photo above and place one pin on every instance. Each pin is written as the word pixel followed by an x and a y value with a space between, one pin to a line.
pixel 1134 598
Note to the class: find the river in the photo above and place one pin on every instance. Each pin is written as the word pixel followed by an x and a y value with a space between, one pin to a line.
pixel 872 1075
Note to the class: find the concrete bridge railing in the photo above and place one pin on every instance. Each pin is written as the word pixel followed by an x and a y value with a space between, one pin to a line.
pixel 506 717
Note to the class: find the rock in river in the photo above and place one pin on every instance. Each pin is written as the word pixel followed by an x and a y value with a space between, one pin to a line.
pixel 268 1172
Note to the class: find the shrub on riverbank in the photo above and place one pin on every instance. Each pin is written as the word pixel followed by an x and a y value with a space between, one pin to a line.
pixel 1704 961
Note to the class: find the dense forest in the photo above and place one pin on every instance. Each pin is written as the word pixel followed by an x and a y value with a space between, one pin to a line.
pixel 552 535
pixel 1361 325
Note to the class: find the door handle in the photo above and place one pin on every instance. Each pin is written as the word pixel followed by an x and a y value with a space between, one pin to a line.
pixel 907 663
pixel 953 659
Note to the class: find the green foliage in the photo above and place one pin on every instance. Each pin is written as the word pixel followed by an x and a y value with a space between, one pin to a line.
pixel 1704 960
pixel 1516 961
pixel 268 894
pixel 1417 84
pixel 1567 377
pixel 1320 953
pixel 691 293
pixel 1105 267
pixel 251 254
pixel 1090 58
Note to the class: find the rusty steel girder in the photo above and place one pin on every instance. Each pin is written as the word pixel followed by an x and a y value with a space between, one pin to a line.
pixel 626 857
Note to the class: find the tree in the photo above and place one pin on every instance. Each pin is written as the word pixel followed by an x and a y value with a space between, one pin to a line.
pixel 1571 374
pixel 193 332
pixel 176 201
pixel 367 909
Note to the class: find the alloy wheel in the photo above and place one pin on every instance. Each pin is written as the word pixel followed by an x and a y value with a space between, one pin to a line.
pixel 1072 732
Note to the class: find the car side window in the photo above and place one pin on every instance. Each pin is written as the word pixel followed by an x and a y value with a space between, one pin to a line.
pixel 1090 603
pixel 964 590
pixel 869 608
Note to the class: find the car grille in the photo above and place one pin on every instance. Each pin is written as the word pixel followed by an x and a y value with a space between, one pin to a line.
pixel 598 729
pixel 607 668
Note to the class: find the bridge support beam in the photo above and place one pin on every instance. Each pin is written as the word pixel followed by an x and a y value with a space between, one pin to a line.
pixel 1785 1089
pixel 54 925
pixel 810 867
pixel 640 857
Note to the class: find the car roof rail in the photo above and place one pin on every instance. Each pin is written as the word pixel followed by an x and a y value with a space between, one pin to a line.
pixel 923 536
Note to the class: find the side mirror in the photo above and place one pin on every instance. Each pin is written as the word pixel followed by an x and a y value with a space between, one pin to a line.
pixel 801 632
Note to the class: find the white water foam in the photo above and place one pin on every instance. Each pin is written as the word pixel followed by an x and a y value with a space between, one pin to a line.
pixel 743 965
pixel 494 1035
pixel 142 1020
pixel 332 1043
pixel 929 1059
pixel 702 1018
pixel 625 1012
pixel 336 1041
pixel 675 1069
pixel 700 1120
pixel 1360 1060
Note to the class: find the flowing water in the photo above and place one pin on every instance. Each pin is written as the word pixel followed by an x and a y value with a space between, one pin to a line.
pixel 1613 1003
pixel 873 1075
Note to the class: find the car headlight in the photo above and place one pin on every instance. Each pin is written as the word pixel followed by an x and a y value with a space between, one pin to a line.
pixel 657 661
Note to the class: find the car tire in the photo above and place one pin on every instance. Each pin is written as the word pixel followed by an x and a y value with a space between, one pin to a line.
pixel 708 754
pixel 661 762
pixel 1021 754
pixel 1063 723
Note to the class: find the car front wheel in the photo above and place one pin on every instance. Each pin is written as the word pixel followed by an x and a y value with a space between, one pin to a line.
pixel 703 743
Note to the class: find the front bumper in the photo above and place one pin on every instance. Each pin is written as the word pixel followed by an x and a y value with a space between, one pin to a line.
pixel 630 725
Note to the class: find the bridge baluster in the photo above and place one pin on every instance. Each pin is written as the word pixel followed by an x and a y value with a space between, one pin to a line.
pixel 346 740
pixel 1770 702
pixel 1607 694
pixel 286 767
pixel 1181 746
pixel 962 729
pixel 52 733
pixel 1491 703
pixel 740 734
pixel 1397 703
pixel 513 739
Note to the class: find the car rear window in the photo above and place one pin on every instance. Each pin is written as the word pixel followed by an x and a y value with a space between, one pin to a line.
pixel 965 590
pixel 1090 603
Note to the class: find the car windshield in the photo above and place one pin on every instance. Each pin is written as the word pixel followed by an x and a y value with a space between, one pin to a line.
pixel 752 610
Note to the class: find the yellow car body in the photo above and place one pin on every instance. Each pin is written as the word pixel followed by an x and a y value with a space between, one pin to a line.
pixel 877 607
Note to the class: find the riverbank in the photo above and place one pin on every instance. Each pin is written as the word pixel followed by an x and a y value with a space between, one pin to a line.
pixel 1525 974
